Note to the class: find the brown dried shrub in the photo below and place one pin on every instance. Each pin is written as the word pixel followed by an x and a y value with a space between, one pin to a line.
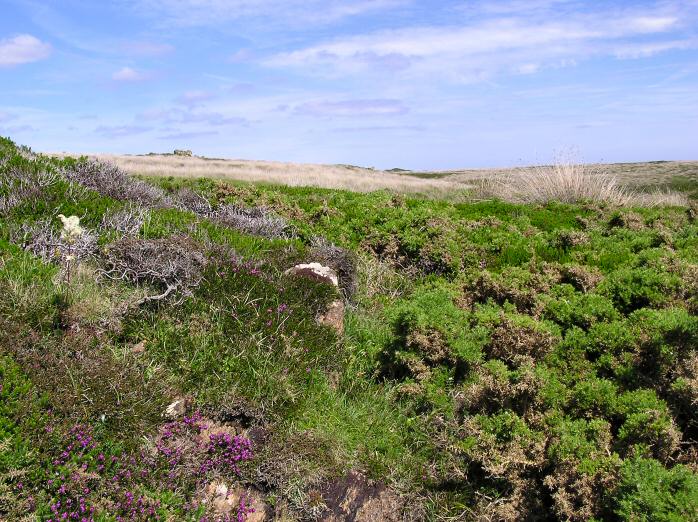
pixel 505 458
pixel 522 294
pixel 431 346
pixel 524 501
pixel 18 185
pixel 194 202
pixel 581 278
pixel 511 462
pixel 173 265
pixel 690 280
pixel 579 496
pixel 567 239
pixel 627 219
pixel 497 390
pixel 509 340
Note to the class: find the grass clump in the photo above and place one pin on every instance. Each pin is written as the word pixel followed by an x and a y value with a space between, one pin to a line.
pixel 566 181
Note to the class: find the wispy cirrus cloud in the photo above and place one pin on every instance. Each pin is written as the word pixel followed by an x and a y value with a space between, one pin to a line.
pixel 291 12
pixel 486 46
pixel 21 49
pixel 352 108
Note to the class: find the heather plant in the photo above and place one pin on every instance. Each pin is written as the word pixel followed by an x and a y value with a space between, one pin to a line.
pixel 341 260
pixel 499 360
pixel 126 221
pixel 108 180
pixel 255 221
pixel 72 244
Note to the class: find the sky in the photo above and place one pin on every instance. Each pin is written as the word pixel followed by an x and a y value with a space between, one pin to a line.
pixel 384 83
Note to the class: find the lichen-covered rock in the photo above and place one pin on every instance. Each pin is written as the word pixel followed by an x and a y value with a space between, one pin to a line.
pixel 316 272
pixel 333 316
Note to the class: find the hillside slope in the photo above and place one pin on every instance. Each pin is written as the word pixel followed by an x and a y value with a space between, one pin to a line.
pixel 495 361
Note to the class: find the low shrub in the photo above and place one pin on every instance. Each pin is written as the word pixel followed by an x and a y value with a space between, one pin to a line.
pixel 519 335
pixel 173 264
pixel 110 181
pixel 570 309
pixel 428 332
pixel 255 221
pixel 649 491
pixel 647 426
pixel 341 260
pixel 633 288
pixel 45 240
pixel 125 221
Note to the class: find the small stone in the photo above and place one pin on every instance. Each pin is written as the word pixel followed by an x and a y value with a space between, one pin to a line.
pixel 225 501
pixel 176 409
pixel 138 348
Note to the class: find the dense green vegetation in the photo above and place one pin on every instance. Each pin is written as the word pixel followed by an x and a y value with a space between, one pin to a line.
pixel 504 361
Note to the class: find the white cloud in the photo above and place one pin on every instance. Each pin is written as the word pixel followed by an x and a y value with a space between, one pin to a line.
pixel 484 47
pixel 294 12
pixel 23 48
pixel 646 49
pixel 127 74
pixel 528 68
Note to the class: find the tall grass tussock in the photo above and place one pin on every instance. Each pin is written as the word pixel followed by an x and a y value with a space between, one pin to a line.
pixel 570 181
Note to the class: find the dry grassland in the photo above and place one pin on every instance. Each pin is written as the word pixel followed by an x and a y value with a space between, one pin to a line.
pixel 293 174
pixel 630 182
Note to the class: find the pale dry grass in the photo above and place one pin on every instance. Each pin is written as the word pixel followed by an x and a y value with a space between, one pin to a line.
pixel 564 181
pixel 642 174
pixel 571 182
pixel 292 174
pixel 661 198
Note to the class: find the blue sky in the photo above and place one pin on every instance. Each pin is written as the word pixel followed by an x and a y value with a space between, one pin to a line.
pixel 384 83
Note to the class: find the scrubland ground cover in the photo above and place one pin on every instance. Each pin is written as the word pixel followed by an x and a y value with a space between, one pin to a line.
pixel 499 361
